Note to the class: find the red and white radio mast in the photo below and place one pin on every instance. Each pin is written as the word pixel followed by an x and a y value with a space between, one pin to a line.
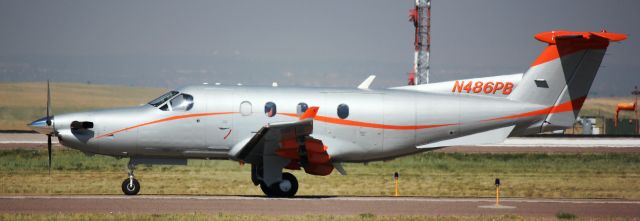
pixel 421 18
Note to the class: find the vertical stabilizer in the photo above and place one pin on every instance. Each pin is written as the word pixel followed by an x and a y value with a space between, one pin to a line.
pixel 561 76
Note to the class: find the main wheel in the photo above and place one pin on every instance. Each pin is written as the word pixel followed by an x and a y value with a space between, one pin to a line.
pixel 266 190
pixel 129 189
pixel 287 187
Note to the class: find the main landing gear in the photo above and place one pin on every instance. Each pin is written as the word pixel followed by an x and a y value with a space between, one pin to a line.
pixel 130 186
pixel 285 185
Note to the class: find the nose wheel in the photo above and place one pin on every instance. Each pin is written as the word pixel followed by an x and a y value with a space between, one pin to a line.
pixel 130 186
pixel 287 187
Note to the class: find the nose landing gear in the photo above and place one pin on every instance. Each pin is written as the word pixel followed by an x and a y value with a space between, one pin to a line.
pixel 130 186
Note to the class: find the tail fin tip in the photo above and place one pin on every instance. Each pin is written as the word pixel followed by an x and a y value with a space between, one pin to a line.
pixel 551 36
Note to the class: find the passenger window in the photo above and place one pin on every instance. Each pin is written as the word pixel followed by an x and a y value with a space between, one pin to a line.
pixel 245 108
pixel 182 102
pixel 270 109
pixel 301 108
pixel 343 111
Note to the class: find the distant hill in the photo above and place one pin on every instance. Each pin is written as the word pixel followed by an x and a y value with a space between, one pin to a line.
pixel 21 103
pixel 606 107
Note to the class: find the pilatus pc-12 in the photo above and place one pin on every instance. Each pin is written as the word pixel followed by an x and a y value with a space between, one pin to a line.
pixel 316 130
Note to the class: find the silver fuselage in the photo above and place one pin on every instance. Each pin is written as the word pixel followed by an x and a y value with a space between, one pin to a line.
pixel 381 124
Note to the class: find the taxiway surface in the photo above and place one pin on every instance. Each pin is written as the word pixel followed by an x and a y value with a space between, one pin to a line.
pixel 316 205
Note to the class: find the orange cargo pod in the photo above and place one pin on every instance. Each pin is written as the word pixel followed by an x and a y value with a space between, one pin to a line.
pixel 293 165
pixel 315 145
pixel 288 149
pixel 289 144
pixel 319 169
pixel 288 153
pixel 318 158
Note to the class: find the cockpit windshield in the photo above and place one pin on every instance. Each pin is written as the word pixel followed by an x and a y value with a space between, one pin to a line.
pixel 165 97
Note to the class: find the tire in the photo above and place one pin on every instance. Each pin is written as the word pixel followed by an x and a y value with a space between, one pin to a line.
pixel 287 187
pixel 266 190
pixel 127 190
pixel 293 188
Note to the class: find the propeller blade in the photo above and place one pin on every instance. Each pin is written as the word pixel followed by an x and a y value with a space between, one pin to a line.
pixel 48 104
pixel 49 150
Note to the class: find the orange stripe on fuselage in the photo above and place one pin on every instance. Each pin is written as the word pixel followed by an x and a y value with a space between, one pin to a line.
pixel 564 107
pixel 165 120
pixel 339 121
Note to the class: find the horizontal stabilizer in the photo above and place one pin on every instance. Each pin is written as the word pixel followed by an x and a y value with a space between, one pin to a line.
pixel 551 36
pixel 488 137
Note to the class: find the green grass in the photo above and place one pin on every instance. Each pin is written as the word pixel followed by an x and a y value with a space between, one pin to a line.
pixel 24 172
pixel 566 215
pixel 233 217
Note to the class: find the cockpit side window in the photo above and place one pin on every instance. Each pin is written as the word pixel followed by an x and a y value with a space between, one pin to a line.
pixel 165 97
pixel 182 102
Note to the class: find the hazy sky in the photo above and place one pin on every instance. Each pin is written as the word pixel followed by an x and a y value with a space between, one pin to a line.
pixel 332 43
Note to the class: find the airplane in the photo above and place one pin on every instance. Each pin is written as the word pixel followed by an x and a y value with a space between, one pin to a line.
pixel 319 129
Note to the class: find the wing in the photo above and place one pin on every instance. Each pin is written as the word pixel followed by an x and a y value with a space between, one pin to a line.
pixel 288 140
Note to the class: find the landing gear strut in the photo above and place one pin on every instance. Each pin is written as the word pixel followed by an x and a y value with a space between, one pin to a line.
pixel 287 187
pixel 130 186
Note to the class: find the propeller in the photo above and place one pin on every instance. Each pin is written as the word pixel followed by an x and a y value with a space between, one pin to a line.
pixel 49 150
pixel 49 123
pixel 45 125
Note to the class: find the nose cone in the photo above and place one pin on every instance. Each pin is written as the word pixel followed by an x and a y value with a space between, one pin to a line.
pixel 42 126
